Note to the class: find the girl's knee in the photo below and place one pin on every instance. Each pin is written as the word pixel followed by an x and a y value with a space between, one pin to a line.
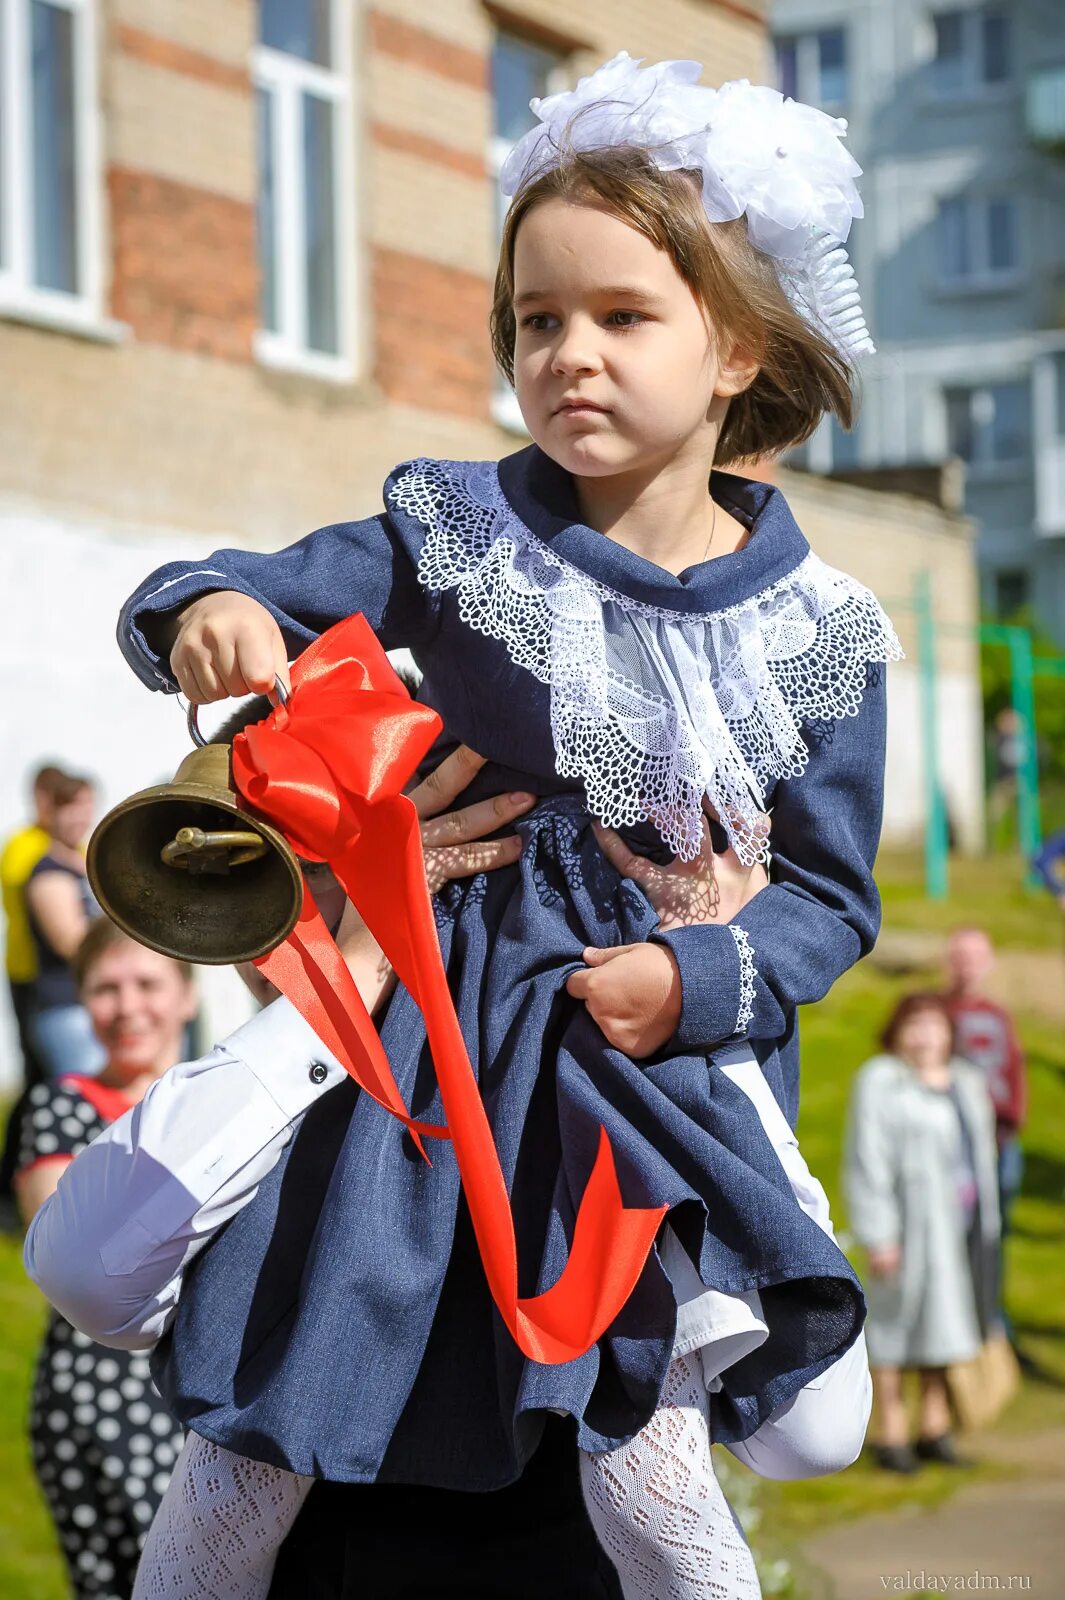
pixel 821 1430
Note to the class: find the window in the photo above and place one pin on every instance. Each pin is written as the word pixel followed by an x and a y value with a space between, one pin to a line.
pixel 49 263
pixel 978 239
pixel 1011 591
pixel 302 85
pixel 990 425
pixel 521 71
pixel 813 67
pixel 972 51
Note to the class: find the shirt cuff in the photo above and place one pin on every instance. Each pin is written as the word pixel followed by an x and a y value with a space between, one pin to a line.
pixel 717 983
pixel 285 1054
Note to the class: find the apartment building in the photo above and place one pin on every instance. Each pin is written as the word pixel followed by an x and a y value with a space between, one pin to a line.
pixel 956 111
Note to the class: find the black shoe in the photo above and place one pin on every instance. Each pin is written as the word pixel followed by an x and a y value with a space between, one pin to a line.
pixel 940 1449
pixel 895 1458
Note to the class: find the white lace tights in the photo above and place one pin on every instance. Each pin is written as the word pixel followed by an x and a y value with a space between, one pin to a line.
pixel 658 1510
pixel 220 1525
pixel 654 1503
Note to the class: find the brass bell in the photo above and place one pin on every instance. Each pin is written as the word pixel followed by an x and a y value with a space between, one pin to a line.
pixel 185 870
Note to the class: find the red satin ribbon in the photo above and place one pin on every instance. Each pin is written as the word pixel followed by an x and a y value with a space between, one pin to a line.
pixel 329 770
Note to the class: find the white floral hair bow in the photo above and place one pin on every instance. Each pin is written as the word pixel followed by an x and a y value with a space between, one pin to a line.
pixel 778 162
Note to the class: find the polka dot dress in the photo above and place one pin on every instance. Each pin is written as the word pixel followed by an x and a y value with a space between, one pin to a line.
pixel 103 1443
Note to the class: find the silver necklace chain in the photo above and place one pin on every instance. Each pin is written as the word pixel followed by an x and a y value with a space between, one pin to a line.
pixel 713 529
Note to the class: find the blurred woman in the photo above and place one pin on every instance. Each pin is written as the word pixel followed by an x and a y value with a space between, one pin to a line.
pixel 921 1187
pixel 59 907
pixel 103 1443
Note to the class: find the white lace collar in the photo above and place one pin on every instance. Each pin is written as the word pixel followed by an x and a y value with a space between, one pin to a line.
pixel 651 708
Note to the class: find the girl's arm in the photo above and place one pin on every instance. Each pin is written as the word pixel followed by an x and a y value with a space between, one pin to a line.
pixel 821 911
pixel 368 566
pixel 57 909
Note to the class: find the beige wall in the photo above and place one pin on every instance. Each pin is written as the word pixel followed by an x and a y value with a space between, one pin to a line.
pixel 887 540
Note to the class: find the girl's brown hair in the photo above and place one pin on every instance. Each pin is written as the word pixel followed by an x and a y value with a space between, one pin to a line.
pixel 801 375
pixel 910 1006
pixel 104 935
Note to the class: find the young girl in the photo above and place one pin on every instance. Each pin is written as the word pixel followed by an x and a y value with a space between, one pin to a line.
pixel 637 640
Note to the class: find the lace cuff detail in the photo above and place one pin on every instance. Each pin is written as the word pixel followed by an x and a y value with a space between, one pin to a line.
pixel 652 709
pixel 748 973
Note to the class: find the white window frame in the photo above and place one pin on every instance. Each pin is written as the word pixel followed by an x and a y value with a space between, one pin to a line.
pixel 974 85
pixel 285 77
pixel 505 409
pixel 20 297
pixel 977 230
pixel 808 63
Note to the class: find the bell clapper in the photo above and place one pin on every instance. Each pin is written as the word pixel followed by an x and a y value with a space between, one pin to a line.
pixel 194 850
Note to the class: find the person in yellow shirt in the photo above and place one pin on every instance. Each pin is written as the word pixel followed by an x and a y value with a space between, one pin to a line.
pixel 19 856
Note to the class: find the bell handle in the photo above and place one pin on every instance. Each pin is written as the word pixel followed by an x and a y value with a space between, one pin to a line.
pixel 193 720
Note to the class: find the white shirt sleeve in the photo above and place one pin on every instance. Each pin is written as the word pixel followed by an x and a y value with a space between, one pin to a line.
pixel 110 1246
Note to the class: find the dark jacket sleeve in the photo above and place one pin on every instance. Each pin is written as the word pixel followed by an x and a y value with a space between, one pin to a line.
pixel 367 566
pixel 821 911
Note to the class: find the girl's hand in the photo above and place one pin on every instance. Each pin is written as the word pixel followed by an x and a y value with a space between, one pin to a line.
pixel 632 992
pixel 712 888
pixel 227 644
pixel 885 1261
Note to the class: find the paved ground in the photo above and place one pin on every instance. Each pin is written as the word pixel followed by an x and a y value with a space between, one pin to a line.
pixel 987 1532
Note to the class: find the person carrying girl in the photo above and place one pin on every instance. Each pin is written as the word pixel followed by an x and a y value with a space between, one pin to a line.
pixel 647 643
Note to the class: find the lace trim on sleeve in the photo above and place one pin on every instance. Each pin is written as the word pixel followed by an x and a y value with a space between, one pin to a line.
pixel 651 708
pixel 748 973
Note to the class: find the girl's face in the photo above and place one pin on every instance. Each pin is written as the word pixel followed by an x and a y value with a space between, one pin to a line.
pixel 605 319
pixel 924 1040
pixel 139 1003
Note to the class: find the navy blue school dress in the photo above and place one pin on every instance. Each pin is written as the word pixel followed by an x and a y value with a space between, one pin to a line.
pixel 341 1325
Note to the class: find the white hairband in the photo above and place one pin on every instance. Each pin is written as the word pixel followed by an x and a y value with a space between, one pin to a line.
pixel 778 162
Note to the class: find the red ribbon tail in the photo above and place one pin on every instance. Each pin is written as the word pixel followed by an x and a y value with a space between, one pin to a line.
pixel 611 1243
pixel 309 971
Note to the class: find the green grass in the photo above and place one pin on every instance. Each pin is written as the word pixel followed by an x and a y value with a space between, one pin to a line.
pixel 838 1035
pixel 30 1565
pixel 987 890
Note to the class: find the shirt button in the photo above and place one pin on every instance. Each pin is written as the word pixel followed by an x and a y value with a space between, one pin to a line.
pixel 318 1072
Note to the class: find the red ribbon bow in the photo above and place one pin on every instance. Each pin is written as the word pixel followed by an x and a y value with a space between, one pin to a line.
pixel 328 770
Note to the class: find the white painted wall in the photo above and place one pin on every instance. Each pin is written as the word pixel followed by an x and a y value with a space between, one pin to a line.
pixel 960 738
pixel 67 695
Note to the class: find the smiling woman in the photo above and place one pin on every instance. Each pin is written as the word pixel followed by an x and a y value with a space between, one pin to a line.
pixel 103 1442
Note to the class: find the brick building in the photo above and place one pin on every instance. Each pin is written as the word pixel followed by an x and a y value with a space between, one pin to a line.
pixel 246 254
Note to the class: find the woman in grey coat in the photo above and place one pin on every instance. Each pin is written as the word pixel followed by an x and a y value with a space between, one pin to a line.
pixel 921 1190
